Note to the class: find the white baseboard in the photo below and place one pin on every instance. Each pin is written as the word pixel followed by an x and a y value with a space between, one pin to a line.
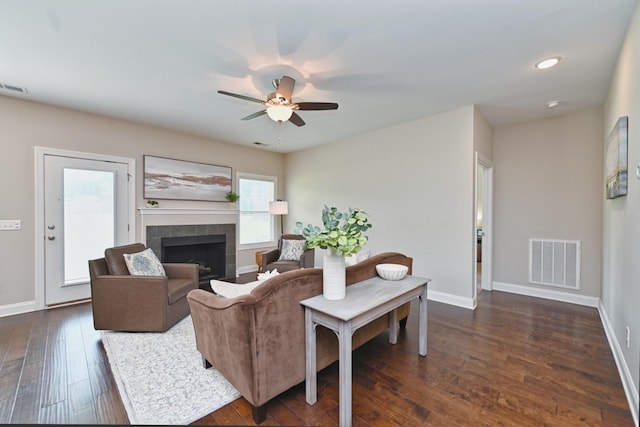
pixel 547 294
pixel 19 308
pixel 630 389
pixel 450 299
pixel 247 269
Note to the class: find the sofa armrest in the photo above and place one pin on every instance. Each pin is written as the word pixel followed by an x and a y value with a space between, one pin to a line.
pixel 225 337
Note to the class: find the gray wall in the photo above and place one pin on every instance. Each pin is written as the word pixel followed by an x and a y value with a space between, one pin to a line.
pixel 548 185
pixel 621 224
pixel 25 125
pixel 416 182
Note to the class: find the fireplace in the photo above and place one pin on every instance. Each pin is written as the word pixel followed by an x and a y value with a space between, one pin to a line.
pixel 211 246
pixel 208 251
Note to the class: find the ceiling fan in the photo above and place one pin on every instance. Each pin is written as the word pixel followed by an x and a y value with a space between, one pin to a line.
pixel 279 106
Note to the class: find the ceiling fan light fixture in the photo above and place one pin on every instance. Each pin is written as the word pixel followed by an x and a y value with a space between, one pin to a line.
pixel 547 63
pixel 279 113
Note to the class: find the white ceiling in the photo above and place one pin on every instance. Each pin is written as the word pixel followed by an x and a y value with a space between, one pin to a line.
pixel 384 62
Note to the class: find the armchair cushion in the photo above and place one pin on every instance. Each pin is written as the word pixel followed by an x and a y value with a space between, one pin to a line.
pixel 115 258
pixel 292 250
pixel 144 263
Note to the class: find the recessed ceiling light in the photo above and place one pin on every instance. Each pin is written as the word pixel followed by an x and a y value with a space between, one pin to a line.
pixel 553 104
pixel 547 63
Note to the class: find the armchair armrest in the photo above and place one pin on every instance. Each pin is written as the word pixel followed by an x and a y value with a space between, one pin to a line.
pixel 128 302
pixel 147 290
pixel 182 271
pixel 307 259
pixel 270 256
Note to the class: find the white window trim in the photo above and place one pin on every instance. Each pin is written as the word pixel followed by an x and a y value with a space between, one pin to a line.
pixel 274 179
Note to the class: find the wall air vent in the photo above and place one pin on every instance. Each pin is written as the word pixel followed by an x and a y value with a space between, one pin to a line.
pixel 14 88
pixel 555 263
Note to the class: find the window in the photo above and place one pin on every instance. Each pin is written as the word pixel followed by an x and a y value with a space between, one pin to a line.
pixel 256 223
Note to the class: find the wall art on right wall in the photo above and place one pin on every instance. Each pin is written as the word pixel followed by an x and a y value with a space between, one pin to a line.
pixel 616 159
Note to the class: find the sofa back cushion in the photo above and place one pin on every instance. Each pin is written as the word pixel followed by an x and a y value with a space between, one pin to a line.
pixel 115 258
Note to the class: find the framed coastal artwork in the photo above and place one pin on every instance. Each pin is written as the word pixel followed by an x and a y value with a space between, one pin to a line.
pixel 616 159
pixel 183 180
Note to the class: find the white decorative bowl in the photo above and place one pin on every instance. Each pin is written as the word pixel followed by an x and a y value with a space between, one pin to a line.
pixel 392 271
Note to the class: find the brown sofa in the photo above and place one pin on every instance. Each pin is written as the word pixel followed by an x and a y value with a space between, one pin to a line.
pixel 122 302
pixel 257 341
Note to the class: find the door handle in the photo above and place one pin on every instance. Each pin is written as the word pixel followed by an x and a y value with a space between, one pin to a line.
pixel 51 227
pixel 51 237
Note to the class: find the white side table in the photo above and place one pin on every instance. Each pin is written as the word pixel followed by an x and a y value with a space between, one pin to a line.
pixel 364 302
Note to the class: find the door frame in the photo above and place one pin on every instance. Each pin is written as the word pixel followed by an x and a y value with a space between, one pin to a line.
pixel 39 155
pixel 487 224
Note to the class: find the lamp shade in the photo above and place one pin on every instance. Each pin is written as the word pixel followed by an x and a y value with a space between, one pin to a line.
pixel 278 207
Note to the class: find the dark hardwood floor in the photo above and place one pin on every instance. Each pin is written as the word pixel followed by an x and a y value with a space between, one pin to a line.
pixel 514 361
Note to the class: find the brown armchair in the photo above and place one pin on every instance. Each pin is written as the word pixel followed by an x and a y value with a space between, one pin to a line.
pixel 271 259
pixel 122 302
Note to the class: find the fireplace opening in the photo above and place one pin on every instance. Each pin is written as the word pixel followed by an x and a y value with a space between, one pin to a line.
pixel 207 251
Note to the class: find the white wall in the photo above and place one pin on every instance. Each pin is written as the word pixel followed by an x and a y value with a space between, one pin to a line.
pixel 24 125
pixel 621 223
pixel 482 135
pixel 548 185
pixel 416 182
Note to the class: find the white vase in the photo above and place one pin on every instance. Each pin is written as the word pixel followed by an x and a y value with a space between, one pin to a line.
pixel 333 276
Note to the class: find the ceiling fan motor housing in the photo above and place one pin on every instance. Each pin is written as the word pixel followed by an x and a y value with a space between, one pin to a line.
pixel 279 106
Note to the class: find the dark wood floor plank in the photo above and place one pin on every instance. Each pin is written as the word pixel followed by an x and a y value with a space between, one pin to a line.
pixel 55 373
pixel 27 404
pixel 109 409
pixel 515 360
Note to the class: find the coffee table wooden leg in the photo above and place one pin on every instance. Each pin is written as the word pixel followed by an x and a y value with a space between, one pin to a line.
pixel 344 340
pixel 422 332
pixel 310 346
pixel 393 327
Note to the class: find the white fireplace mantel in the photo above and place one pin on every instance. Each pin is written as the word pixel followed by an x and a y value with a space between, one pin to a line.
pixel 186 211
pixel 183 216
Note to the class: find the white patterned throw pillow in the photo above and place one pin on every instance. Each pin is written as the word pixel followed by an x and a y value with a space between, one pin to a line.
pixel 144 263
pixel 292 250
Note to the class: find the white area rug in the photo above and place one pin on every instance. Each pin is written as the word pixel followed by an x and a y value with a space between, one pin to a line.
pixel 160 376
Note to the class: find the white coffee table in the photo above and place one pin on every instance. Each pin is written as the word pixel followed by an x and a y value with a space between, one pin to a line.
pixel 364 302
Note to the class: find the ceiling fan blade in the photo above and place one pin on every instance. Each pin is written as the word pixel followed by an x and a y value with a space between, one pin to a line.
pixel 254 115
pixel 285 87
pixel 317 106
pixel 246 98
pixel 296 119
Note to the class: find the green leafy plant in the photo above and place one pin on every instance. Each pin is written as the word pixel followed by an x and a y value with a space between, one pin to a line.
pixel 232 197
pixel 343 232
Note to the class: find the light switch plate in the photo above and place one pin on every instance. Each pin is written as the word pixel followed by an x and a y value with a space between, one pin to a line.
pixel 10 224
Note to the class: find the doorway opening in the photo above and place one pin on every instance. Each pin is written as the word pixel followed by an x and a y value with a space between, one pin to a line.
pixel 483 225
